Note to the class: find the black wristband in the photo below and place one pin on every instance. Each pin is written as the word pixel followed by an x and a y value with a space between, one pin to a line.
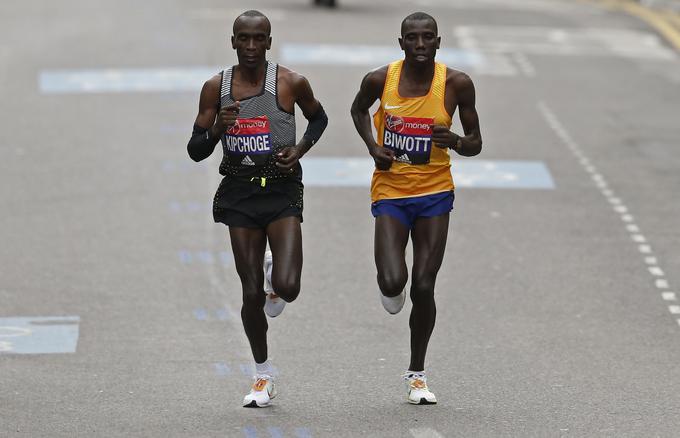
pixel 317 124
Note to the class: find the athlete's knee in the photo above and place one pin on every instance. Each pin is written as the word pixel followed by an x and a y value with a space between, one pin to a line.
pixel 422 288
pixel 287 288
pixel 253 297
pixel 392 284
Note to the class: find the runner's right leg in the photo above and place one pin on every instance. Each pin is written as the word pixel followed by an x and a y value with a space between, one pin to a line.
pixel 248 245
pixel 391 237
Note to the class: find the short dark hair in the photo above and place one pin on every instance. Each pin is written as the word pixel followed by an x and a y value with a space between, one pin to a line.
pixel 418 16
pixel 253 13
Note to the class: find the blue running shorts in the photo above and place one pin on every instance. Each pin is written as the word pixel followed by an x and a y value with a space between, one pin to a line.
pixel 407 210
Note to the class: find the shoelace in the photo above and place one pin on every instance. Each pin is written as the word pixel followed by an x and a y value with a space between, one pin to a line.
pixel 416 380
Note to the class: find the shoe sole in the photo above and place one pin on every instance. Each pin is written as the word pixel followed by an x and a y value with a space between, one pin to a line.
pixel 253 404
pixel 422 401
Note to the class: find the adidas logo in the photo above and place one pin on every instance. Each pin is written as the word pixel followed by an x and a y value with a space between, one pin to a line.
pixel 247 161
pixel 403 158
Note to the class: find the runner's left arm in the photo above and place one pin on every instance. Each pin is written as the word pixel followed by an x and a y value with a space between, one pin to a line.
pixel 315 115
pixel 461 86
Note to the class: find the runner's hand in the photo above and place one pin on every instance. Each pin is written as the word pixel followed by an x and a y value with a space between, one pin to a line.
pixel 442 137
pixel 287 158
pixel 383 157
pixel 227 117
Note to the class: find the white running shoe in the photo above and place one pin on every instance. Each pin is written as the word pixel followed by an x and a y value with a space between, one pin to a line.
pixel 274 304
pixel 261 393
pixel 418 392
pixel 393 304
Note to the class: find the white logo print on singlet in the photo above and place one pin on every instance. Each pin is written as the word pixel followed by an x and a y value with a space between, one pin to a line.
pixel 389 107
pixel 403 158
pixel 247 161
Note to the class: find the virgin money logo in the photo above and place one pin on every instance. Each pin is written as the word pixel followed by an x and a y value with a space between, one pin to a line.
pixel 235 129
pixel 394 123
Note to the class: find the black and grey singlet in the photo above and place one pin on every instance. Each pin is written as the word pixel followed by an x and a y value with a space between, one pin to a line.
pixel 261 130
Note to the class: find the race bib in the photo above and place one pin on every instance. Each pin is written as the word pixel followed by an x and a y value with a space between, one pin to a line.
pixel 249 141
pixel 409 137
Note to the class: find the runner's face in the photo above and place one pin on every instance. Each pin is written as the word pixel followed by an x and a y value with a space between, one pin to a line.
pixel 419 41
pixel 251 40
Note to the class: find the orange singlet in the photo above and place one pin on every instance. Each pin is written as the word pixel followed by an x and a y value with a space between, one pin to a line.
pixel 404 124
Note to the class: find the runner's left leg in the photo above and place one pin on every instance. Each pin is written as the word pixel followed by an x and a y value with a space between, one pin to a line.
pixel 285 242
pixel 429 236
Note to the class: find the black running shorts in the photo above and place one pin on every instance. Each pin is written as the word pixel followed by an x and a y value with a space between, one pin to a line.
pixel 253 204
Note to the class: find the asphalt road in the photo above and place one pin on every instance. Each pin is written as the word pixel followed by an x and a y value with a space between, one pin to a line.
pixel 119 302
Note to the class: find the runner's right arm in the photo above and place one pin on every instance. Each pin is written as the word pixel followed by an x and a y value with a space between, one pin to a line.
pixel 371 90
pixel 210 125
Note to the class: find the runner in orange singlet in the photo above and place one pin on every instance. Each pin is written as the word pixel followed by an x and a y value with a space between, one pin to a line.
pixel 412 190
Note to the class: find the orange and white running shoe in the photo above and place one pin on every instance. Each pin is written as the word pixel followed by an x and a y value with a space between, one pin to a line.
pixel 261 393
pixel 418 392
pixel 274 304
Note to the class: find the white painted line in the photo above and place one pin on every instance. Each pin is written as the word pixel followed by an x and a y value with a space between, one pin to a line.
pixel 639 238
pixel 607 193
pixel 621 209
pixel 425 432
pixel 669 296
pixel 661 283
pixel 627 218
pixel 524 64
pixel 655 271
pixel 651 260
pixel 675 310
pixel 633 228
pixel 645 249
pixel 614 201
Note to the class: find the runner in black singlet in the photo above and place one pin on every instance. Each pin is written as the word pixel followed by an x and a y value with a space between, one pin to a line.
pixel 250 109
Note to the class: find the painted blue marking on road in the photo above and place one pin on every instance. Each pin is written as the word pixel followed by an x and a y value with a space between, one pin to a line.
pixel 223 314
pixel 250 432
pixel 275 432
pixel 356 172
pixel 226 258
pixel 185 257
pixel 175 206
pixel 247 369
pixel 125 80
pixel 201 314
pixel 205 257
pixel 363 55
pixel 222 369
pixel 303 432
pixel 39 335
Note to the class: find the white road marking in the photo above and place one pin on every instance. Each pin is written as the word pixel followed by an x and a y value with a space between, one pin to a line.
pixel 645 249
pixel 425 432
pixel 650 260
pixel 661 283
pixel 669 296
pixel 632 228
pixel 639 238
pixel 656 271
pixel 524 64
pixel 553 41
